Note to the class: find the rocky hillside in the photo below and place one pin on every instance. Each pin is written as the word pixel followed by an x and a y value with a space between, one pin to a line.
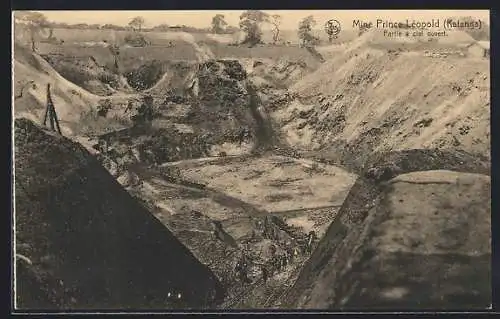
pixel 201 109
pixel 76 107
pixel 369 99
pixel 31 76
pixel 82 242
pixel 88 73
pixel 420 240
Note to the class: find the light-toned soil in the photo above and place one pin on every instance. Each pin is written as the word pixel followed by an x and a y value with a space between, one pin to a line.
pixel 380 100
pixel 276 183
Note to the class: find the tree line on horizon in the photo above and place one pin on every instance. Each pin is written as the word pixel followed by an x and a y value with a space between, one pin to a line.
pixel 251 22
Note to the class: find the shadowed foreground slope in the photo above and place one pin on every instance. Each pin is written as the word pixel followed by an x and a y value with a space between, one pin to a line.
pixel 420 240
pixel 83 242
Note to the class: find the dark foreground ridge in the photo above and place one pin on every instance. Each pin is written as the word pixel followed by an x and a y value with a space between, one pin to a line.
pixel 82 242
pixel 408 236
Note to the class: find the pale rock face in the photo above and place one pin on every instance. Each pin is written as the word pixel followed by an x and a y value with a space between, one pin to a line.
pixel 424 242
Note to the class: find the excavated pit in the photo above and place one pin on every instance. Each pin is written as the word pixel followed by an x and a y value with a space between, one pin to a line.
pixel 202 108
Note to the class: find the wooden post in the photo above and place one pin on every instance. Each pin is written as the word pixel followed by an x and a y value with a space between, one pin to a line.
pixel 56 120
pixel 46 115
pixel 51 113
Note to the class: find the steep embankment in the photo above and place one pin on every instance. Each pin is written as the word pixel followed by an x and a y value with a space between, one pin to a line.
pixel 366 99
pixel 75 106
pixel 168 75
pixel 211 107
pixel 83 242
pixel 172 77
pixel 31 76
pixel 280 74
pixel 89 74
pixel 420 240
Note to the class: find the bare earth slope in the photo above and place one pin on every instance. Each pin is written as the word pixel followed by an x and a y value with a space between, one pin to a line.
pixel 367 99
pixel 73 103
pixel 70 99
pixel 83 242
pixel 418 241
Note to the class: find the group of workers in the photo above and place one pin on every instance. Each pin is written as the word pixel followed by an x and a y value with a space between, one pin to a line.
pixel 279 260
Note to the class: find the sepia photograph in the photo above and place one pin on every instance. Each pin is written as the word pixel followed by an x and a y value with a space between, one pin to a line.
pixel 194 161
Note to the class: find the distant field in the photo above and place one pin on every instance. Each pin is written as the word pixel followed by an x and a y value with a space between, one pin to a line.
pixel 129 57
pixel 291 35
pixel 160 38
pixel 112 36
pixel 260 52
pixel 77 43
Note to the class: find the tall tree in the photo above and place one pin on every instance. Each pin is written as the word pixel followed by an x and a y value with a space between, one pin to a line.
pixel 137 23
pixel 35 22
pixel 218 23
pixel 275 20
pixel 305 32
pixel 250 22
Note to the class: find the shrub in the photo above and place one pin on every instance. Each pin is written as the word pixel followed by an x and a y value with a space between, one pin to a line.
pixel 145 76
pixel 136 40
pixel 109 78
pixel 103 107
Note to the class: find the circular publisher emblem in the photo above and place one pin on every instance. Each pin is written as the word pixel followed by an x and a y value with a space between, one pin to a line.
pixel 332 27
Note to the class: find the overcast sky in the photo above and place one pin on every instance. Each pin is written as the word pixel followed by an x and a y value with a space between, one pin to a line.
pixel 291 18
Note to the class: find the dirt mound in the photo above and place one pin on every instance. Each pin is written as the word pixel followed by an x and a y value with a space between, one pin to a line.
pixel 368 259
pixel 283 73
pixel 158 77
pixel 218 109
pixel 84 242
pixel 30 100
pixel 88 73
pixel 387 165
pixel 76 107
pixel 359 100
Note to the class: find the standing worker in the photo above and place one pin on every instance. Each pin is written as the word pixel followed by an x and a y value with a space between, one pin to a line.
pixel 289 252
pixel 50 112
pixel 265 273
pixel 285 259
pixel 129 107
pixel 277 262
pixel 242 270
pixel 310 240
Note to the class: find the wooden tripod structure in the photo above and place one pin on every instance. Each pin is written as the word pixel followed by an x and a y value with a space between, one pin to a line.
pixel 50 113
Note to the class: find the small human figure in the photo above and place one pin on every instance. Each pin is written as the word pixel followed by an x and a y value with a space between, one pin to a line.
pixel 253 235
pixel 277 263
pixel 242 270
pixel 310 240
pixel 285 259
pixel 265 273
pixel 129 107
